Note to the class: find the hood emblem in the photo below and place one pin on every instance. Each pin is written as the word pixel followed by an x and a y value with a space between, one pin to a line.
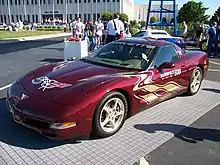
pixel 46 83
pixel 24 96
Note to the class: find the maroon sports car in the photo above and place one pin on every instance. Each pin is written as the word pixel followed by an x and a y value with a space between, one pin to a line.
pixel 97 93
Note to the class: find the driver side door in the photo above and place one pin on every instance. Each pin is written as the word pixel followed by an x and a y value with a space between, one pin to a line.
pixel 167 79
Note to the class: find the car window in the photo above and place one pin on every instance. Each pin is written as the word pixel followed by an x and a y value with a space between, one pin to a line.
pixel 139 34
pixel 166 54
pixel 122 54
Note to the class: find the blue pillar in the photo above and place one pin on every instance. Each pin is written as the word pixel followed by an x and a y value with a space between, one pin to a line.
pixel 148 14
pixel 160 12
pixel 174 16
pixel 161 15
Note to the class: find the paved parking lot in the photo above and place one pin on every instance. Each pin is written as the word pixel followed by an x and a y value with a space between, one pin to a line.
pixel 19 145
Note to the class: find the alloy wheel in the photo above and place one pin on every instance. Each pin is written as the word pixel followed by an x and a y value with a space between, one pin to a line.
pixel 196 80
pixel 112 115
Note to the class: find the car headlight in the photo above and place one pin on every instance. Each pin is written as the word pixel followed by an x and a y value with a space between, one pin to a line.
pixel 63 125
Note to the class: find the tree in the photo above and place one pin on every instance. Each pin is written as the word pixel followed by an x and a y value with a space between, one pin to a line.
pixel 172 20
pixel 152 19
pixel 143 24
pixel 123 17
pixel 192 12
pixel 133 24
pixel 164 19
pixel 216 16
pixel 106 16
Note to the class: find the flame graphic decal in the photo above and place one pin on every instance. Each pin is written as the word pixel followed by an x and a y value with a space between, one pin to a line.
pixel 147 92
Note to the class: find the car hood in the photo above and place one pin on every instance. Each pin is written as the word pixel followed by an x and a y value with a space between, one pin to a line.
pixel 52 81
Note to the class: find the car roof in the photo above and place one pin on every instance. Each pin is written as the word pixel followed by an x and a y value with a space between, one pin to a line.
pixel 145 41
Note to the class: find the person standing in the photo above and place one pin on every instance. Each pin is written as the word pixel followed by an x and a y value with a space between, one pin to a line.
pixel 185 29
pixel 79 28
pixel 212 40
pixel 100 28
pixel 218 39
pixel 92 36
pixel 115 29
pixel 199 33
pixel 73 25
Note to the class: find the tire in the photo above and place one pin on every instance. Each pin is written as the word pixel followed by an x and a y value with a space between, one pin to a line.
pixel 192 89
pixel 101 129
pixel 203 46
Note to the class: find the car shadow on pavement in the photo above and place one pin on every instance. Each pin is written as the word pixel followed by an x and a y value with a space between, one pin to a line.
pixel 19 136
pixel 187 134
pixel 211 90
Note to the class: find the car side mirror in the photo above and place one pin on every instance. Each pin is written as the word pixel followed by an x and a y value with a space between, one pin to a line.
pixel 167 65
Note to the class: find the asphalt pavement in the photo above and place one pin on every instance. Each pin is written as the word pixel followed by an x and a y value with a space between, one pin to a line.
pixel 170 142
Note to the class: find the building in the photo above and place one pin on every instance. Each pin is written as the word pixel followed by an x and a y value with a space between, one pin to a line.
pixel 36 10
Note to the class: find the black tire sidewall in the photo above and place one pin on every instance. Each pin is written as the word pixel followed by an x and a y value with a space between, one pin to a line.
pixel 96 121
pixel 191 78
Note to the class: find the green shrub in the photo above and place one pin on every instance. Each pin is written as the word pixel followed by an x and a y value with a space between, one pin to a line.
pixel 133 30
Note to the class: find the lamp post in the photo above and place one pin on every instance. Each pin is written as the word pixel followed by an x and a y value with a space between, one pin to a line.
pixel 9 11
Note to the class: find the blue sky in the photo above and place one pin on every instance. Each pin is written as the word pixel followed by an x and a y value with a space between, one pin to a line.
pixel 211 4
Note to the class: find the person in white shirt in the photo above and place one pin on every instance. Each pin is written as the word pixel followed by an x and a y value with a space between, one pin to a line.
pixel 115 29
pixel 79 28
pixel 73 26
pixel 100 28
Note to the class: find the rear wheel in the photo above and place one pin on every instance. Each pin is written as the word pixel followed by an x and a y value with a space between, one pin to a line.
pixel 110 114
pixel 195 81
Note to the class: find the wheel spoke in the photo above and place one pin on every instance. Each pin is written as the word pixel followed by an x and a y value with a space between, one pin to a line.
pixel 107 109
pixel 119 113
pixel 115 104
pixel 106 121
pixel 112 122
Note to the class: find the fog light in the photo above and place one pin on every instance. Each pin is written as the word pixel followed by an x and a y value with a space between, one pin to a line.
pixel 63 125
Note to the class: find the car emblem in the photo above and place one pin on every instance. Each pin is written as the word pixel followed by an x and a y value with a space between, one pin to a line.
pixel 24 96
pixel 47 83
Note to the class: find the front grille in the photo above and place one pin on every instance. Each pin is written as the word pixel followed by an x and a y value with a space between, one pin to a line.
pixel 27 119
pixel 32 121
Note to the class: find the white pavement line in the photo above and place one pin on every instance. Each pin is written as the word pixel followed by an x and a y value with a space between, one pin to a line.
pixel 5 87
pixel 214 63
pixel 214 70
pixel 143 161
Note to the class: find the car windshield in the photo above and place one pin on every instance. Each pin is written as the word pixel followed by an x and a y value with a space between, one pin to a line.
pixel 121 54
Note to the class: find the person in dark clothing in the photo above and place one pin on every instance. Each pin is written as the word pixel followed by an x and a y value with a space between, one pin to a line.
pixel 199 33
pixel 87 28
pixel 213 40
pixel 218 38
pixel 92 36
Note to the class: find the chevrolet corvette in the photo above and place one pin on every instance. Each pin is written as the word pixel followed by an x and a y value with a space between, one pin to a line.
pixel 96 94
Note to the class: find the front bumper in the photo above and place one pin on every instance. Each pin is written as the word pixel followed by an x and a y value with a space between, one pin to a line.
pixel 40 123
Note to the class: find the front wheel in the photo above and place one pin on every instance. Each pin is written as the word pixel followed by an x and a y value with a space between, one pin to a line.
pixel 110 114
pixel 195 81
